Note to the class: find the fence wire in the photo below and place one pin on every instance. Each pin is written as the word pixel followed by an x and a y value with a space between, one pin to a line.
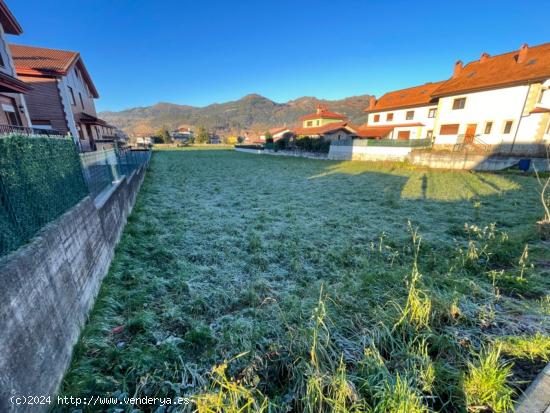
pixel 42 177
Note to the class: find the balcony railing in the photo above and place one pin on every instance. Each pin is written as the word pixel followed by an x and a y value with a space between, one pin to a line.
pixel 22 130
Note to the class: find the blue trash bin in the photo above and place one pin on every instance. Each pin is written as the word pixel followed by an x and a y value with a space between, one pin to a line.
pixel 524 164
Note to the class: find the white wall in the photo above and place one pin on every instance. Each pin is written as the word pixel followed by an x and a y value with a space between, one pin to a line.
pixel 400 117
pixel 497 106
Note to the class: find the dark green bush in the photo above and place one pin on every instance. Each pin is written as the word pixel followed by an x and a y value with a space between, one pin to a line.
pixel 40 179
pixel 310 144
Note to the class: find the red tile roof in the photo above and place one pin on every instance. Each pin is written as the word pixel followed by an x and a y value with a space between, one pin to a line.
pixel 374 131
pixel 404 98
pixel 368 131
pixel 40 61
pixel 518 67
pixel 324 114
pixel 541 110
pixel 274 131
pixel 8 21
pixel 320 130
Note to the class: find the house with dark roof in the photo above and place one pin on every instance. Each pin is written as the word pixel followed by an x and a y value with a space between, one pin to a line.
pixel 402 114
pixel 62 94
pixel 13 109
pixel 501 100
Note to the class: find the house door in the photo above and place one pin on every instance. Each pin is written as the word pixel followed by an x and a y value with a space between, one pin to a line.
pixel 90 137
pixel 470 133
pixel 404 135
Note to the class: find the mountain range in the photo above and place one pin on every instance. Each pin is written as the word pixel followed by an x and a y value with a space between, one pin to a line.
pixel 253 114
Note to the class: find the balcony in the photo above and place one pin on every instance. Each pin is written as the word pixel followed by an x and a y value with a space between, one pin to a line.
pixel 22 130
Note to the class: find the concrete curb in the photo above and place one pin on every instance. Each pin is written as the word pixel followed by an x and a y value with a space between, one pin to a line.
pixel 536 398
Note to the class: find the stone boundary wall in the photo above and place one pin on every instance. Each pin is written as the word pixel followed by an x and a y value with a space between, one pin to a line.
pixel 368 153
pixel 428 159
pixel 49 287
pixel 469 162
pixel 296 154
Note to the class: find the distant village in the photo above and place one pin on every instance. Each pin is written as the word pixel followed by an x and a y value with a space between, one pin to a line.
pixel 496 104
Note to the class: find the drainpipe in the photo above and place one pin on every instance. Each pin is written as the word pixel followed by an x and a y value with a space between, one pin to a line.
pixel 520 117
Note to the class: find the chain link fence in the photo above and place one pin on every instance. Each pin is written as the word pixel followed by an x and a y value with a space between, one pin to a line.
pixel 42 177
pixel 102 169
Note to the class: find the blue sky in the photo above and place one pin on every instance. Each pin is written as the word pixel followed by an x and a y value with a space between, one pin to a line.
pixel 140 52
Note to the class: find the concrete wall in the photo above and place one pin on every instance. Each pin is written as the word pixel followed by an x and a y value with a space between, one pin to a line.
pixel 48 288
pixel 471 162
pixel 368 153
pixel 421 115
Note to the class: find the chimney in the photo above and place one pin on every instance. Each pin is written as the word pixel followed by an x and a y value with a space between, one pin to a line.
pixel 484 57
pixel 458 68
pixel 522 55
pixel 319 109
pixel 372 102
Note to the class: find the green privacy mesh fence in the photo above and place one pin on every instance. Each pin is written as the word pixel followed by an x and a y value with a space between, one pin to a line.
pixel 40 179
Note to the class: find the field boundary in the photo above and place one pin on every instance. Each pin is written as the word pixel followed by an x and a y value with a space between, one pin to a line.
pixel 430 160
pixel 49 287
pixel 536 398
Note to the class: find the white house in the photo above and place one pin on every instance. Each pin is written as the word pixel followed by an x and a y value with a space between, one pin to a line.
pixel 325 124
pixel 402 114
pixel 502 101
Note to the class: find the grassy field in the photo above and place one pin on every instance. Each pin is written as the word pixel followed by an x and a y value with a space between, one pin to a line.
pixel 255 283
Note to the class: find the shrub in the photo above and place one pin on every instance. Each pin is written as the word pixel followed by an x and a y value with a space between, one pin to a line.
pixel 485 385
pixel 310 144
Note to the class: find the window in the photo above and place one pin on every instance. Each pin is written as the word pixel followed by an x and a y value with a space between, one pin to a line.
pixel 81 101
pixel 376 118
pixel 389 117
pixel 541 95
pixel 488 127
pixel 459 103
pixel 432 112
pixel 317 123
pixel 430 134
pixel 403 135
pixel 42 124
pixel 71 92
pixel 410 115
pixel 309 123
pixel 507 127
pixel 10 112
pixel 451 129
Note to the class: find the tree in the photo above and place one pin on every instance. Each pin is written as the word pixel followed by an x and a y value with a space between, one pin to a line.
pixel 544 224
pixel 231 140
pixel 164 135
pixel 202 135
pixel 268 137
